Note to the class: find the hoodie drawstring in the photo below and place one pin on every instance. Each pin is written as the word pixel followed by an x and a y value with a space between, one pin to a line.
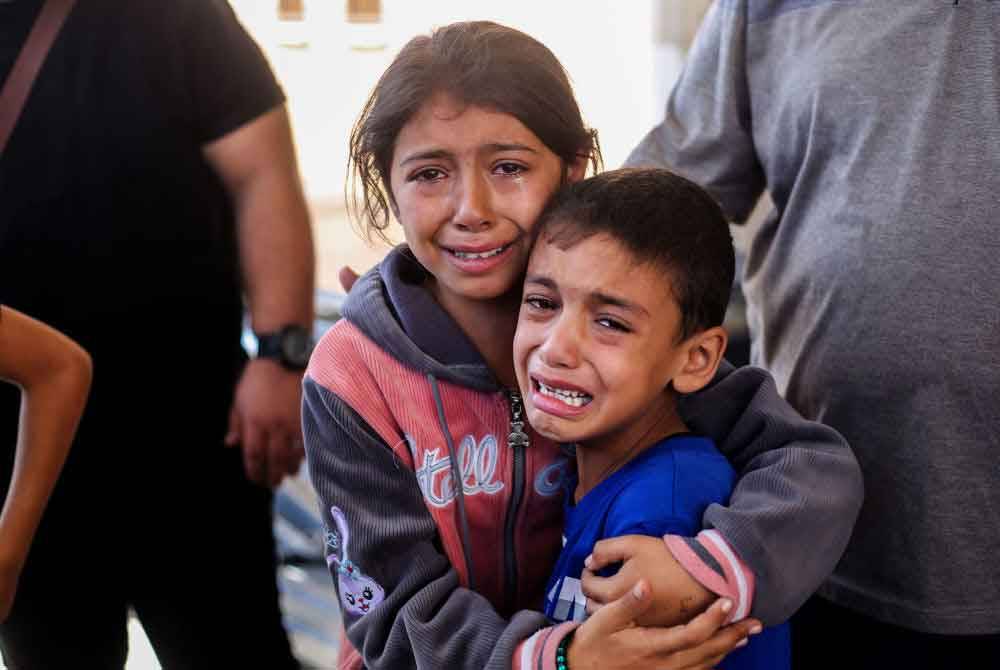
pixel 456 474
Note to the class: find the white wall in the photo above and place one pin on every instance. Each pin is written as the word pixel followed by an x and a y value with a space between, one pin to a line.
pixel 606 46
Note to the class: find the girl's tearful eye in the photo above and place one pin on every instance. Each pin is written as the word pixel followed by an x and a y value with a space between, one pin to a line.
pixel 510 169
pixel 427 175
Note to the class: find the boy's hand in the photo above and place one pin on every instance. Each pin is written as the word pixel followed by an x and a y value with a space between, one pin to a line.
pixel 610 639
pixel 676 596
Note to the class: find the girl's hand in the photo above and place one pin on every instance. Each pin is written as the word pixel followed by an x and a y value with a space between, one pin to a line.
pixel 610 639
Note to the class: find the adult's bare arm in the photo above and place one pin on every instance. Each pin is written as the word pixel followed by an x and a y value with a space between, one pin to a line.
pixel 257 164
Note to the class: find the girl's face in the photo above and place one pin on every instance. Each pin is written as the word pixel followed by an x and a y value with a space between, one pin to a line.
pixel 468 185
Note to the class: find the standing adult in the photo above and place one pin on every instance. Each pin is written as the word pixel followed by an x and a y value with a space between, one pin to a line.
pixel 149 182
pixel 872 284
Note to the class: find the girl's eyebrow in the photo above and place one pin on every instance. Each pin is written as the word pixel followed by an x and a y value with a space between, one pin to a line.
pixel 492 147
pixel 509 146
pixel 425 155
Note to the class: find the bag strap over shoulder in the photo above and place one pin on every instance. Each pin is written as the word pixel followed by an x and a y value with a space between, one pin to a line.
pixel 22 75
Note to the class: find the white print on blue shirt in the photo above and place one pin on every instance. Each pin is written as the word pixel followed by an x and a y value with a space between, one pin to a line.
pixel 569 604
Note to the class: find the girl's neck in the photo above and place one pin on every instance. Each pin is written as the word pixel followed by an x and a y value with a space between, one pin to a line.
pixel 598 459
pixel 489 324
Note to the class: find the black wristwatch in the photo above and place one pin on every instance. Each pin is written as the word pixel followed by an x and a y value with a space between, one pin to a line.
pixel 291 346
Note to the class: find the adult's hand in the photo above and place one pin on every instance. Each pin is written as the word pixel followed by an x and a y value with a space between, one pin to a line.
pixel 676 596
pixel 265 421
pixel 610 639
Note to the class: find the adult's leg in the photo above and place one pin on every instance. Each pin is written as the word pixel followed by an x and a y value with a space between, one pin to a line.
pixel 206 590
pixel 827 636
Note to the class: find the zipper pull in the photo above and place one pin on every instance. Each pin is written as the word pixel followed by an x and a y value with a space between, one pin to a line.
pixel 517 437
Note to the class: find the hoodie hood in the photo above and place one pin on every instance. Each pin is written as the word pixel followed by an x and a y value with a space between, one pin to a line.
pixel 391 305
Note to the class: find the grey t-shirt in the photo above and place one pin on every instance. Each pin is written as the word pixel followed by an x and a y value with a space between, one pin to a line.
pixel 874 283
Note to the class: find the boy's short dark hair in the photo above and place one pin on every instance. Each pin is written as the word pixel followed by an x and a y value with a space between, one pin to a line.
pixel 663 220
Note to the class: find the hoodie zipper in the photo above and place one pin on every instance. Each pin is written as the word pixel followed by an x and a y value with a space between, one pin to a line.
pixel 517 440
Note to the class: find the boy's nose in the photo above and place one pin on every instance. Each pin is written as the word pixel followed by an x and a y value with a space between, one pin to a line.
pixel 561 348
pixel 472 207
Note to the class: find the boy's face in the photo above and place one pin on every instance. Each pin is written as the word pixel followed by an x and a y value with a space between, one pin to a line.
pixel 596 343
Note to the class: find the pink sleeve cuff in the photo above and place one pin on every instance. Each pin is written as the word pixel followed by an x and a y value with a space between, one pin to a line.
pixel 710 560
pixel 539 650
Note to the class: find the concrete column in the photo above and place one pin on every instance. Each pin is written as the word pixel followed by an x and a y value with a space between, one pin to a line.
pixel 675 23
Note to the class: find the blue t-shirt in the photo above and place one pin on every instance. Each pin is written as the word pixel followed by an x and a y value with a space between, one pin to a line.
pixel 663 490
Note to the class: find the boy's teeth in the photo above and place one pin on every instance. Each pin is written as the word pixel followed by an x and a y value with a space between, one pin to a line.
pixel 573 398
pixel 484 254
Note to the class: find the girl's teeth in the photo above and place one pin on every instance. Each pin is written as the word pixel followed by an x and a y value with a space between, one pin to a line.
pixel 484 254
pixel 572 398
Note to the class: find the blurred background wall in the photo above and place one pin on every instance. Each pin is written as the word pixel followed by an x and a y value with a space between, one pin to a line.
pixel 622 58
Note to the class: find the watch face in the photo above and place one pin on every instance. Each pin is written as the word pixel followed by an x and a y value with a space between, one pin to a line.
pixel 296 345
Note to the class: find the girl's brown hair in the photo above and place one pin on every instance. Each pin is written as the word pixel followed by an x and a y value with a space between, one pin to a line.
pixel 476 63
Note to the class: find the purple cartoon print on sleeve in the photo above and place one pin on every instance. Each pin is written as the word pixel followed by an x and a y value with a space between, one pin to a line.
pixel 359 593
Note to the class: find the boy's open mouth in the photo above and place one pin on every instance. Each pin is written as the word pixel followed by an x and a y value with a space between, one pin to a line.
pixel 567 396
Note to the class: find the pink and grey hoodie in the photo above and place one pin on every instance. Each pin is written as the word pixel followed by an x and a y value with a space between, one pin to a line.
pixel 399 406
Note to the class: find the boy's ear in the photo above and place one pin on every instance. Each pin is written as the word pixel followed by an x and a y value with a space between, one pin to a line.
pixel 702 354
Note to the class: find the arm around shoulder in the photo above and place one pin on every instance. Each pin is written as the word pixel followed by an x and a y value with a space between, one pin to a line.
pixel 799 489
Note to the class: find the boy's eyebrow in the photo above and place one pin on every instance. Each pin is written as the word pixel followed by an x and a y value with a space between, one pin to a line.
pixel 597 297
pixel 541 280
pixel 608 299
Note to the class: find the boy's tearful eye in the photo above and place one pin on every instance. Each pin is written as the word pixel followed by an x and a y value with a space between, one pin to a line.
pixel 613 324
pixel 540 303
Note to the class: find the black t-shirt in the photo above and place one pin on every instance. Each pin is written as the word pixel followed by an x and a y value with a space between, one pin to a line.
pixel 113 228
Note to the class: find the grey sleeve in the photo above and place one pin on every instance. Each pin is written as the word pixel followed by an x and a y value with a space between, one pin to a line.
pixel 422 617
pixel 799 489
pixel 706 132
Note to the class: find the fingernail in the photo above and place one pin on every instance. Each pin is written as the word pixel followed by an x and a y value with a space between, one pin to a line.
pixel 639 590
pixel 756 629
pixel 742 643
pixel 587 561
pixel 727 605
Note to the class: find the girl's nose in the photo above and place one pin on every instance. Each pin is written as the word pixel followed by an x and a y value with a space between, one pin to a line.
pixel 473 211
